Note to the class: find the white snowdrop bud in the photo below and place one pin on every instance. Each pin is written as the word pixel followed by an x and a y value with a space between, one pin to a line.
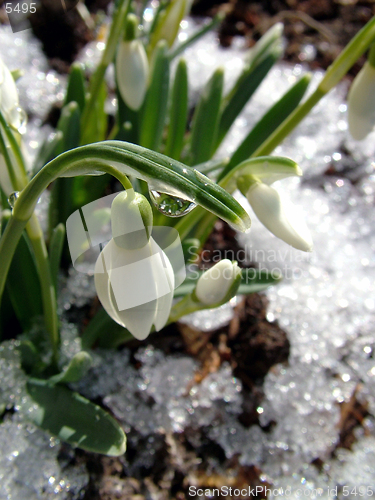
pixel 361 103
pixel 9 97
pixel 279 218
pixel 132 70
pixel 219 284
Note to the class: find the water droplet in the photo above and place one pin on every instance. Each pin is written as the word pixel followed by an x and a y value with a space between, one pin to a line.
pixel 23 120
pixel 169 205
pixel 13 198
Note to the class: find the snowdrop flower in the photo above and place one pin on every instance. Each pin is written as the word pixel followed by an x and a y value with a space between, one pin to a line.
pixel 282 220
pixel 132 68
pixel 361 103
pixel 219 284
pixel 9 97
pixel 134 279
pixel 169 21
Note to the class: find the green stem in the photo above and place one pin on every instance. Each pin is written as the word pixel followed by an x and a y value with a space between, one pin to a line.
pixel 288 125
pixel 46 282
pixel 185 306
pixel 117 27
pixel 371 56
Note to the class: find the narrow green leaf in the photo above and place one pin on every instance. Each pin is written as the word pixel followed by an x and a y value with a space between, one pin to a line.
pixel 76 86
pixel 74 419
pixel 127 121
pixel 30 358
pixel 210 166
pixel 206 120
pixel 268 123
pixel 69 125
pixel 49 150
pixel 61 201
pixel 76 369
pixel 22 284
pixel 96 129
pixel 178 112
pixel 101 325
pixel 245 87
pixel 208 26
pixel 55 251
pixel 253 280
pixel 160 172
pixel 155 106
pixel 267 168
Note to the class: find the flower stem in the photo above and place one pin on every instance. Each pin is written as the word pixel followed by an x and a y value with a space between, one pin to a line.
pixel 117 27
pixel 185 306
pixel 35 235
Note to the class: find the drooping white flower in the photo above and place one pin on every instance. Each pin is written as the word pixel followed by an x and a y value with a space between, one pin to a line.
pixel 134 278
pixel 361 103
pixel 9 97
pixel 220 283
pixel 135 287
pixel 281 219
pixel 132 70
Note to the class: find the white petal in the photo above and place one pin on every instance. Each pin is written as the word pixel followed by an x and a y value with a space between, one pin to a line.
pixel 9 96
pixel 138 320
pixel 148 272
pixel 284 223
pixel 132 72
pixel 214 284
pixel 164 303
pixel 361 103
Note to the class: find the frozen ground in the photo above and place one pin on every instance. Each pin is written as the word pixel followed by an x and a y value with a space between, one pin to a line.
pixel 326 304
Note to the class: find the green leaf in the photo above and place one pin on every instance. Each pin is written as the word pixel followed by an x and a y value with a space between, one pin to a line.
pixel 208 26
pixel 127 120
pixel 268 123
pixel 178 112
pixel 30 358
pixel 253 280
pixel 76 369
pixel 242 92
pixel 76 86
pixel 162 174
pixel 49 150
pixel 210 166
pixel 261 59
pixel 62 202
pixel 269 169
pixel 96 128
pixel 206 120
pixel 101 327
pixel 154 110
pixel 22 283
pixel 69 125
pixel 55 251
pixel 74 419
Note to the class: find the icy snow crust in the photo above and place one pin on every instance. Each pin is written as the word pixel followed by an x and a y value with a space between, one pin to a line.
pixel 326 304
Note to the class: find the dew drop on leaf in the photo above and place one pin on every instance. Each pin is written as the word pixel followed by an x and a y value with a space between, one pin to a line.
pixel 171 206
pixel 23 120
pixel 13 198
